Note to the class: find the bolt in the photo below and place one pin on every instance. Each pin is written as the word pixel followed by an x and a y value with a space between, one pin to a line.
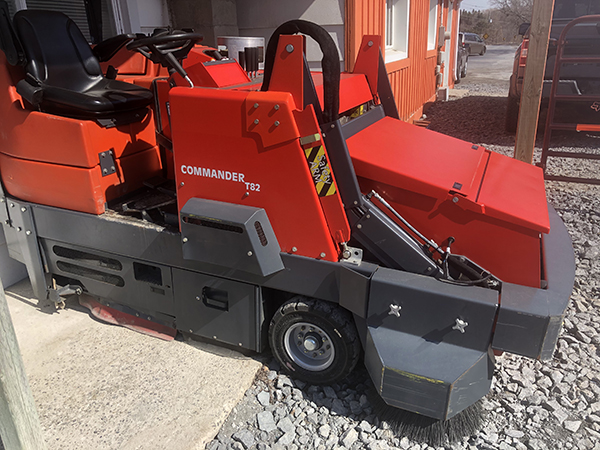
pixel 105 171
pixel 276 107
pixel 455 199
pixel 332 125
pixel 299 343
pixel 7 222
pixel 370 43
pixel 149 318
pixel 256 122
pixel 182 184
pixel 314 355
pixel 323 255
pixel 328 347
pixel 289 48
pixel 198 298
pixel 12 205
pixel 112 168
pixel 355 202
pixel 240 344
pixel 359 226
pixel 368 216
pixel 19 228
pixel 277 123
pixel 137 314
pixel 190 331
pixel 323 134
pixel 23 209
pixel 185 240
pixel 214 337
pixel 2 200
pixel 28 232
pixel 255 105
pixel 249 253
pixel 294 249
pixel 103 154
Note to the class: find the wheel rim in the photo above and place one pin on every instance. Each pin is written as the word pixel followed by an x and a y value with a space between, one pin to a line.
pixel 309 346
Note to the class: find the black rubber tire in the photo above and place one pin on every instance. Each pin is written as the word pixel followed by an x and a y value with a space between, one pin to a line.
pixel 512 114
pixel 482 51
pixel 334 320
pixel 464 71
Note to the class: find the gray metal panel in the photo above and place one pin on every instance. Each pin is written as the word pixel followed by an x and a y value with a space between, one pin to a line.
pixel 235 236
pixel 219 309
pixel 474 384
pixel 139 291
pixel 530 319
pixel 430 309
pixel 22 243
pixel 438 380
pixel 363 121
pixel 383 237
pixel 143 241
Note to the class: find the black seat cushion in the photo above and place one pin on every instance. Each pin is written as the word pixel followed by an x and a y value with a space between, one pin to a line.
pixel 60 59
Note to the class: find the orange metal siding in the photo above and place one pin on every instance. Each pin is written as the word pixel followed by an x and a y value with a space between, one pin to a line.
pixel 413 80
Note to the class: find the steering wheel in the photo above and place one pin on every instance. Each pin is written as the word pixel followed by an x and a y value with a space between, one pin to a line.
pixel 167 49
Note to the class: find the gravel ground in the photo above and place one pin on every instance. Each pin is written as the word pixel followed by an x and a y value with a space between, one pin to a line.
pixel 532 405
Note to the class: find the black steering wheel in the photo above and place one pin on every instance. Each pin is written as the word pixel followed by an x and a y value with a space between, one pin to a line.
pixel 167 48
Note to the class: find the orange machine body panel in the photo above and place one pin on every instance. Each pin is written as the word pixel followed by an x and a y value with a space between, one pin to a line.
pixel 228 150
pixel 40 150
pixel 447 187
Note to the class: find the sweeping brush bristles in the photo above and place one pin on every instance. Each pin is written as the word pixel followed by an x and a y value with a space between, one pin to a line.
pixel 421 428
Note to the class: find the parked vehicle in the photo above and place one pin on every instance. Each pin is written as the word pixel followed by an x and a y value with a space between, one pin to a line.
pixel 475 43
pixel 462 58
pixel 575 79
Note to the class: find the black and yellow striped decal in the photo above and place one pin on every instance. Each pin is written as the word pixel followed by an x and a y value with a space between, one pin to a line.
pixel 320 171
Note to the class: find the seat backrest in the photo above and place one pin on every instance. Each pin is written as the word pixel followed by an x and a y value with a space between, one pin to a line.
pixel 57 52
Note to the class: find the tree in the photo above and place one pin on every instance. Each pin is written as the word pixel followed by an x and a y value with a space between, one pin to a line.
pixel 516 11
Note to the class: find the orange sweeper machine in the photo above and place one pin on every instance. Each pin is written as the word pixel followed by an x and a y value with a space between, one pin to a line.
pixel 292 210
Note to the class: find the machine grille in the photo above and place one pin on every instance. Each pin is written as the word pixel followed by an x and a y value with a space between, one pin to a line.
pixel 86 272
pixel 88 258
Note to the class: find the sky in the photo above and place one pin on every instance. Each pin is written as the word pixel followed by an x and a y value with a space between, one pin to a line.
pixel 474 4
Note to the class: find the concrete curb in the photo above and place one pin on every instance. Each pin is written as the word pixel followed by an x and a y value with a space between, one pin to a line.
pixel 99 386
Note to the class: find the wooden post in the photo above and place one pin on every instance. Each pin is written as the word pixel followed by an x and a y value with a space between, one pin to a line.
pixel 533 79
pixel 19 422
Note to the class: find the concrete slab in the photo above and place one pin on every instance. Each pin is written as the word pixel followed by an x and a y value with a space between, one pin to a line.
pixel 100 386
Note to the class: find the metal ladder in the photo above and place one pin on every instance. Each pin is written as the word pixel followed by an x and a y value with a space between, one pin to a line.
pixel 554 96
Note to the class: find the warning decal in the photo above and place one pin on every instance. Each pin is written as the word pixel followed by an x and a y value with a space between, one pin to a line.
pixel 320 171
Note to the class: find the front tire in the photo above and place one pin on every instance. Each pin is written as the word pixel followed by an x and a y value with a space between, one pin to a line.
pixel 464 71
pixel 313 340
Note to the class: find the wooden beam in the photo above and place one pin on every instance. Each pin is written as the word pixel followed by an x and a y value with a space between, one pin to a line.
pixel 533 79
pixel 19 422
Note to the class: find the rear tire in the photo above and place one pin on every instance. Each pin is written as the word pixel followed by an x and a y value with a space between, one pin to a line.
pixel 482 51
pixel 313 340
pixel 512 114
pixel 464 71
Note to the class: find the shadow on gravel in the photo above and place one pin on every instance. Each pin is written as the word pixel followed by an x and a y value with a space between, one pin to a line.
pixel 482 118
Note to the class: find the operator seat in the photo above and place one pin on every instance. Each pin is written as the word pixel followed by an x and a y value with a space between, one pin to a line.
pixel 64 76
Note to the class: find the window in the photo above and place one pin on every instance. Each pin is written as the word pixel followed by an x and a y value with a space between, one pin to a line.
pixel 77 11
pixel 396 29
pixel 433 9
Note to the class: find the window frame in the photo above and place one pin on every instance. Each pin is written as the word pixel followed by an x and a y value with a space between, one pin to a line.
pixel 399 32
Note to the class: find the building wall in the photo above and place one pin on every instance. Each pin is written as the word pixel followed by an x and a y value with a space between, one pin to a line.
pixel 212 18
pixel 413 79
pixel 262 17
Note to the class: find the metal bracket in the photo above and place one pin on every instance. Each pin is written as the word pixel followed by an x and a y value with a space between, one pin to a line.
pixel 107 163
pixel 58 295
pixel 352 255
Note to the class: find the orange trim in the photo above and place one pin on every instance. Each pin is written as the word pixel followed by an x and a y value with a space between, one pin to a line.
pixel 394 66
pixel 431 53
